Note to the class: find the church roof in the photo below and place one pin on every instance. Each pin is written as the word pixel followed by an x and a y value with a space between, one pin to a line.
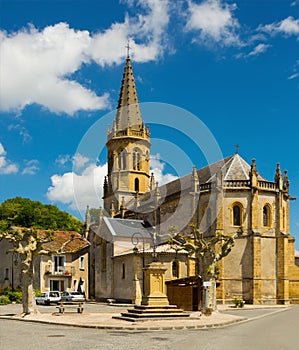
pixel 236 168
pixel 127 227
pixel 128 111
pixel 233 167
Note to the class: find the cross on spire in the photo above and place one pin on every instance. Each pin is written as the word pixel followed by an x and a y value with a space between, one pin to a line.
pixel 237 149
pixel 128 49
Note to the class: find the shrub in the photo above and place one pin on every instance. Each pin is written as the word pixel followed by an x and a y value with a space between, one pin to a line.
pixel 15 296
pixel 4 300
pixel 37 292
pixel 238 302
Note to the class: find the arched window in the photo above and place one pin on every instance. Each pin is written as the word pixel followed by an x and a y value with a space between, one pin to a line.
pixel 136 185
pixel 237 215
pixel 175 269
pixel 122 160
pixel 266 215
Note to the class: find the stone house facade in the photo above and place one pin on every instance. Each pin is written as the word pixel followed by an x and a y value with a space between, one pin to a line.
pixel 64 268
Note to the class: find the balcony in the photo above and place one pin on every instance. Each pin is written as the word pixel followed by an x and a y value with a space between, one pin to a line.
pixel 67 271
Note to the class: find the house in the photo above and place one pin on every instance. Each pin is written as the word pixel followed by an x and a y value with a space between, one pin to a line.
pixel 120 249
pixel 65 267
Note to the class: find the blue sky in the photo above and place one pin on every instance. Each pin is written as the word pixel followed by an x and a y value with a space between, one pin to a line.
pixel 232 64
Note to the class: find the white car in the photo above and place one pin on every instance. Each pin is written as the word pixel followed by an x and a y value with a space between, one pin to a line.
pixel 47 298
pixel 72 297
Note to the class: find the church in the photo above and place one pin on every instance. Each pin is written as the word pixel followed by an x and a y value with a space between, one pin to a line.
pixel 230 195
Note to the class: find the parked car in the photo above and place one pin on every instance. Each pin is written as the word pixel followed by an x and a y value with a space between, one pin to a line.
pixel 72 297
pixel 47 298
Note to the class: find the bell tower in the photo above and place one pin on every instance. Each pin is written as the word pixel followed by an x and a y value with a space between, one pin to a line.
pixel 128 146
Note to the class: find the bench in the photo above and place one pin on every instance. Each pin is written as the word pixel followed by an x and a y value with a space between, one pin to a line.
pixel 62 307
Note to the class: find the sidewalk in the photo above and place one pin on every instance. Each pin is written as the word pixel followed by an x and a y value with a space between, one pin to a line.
pixel 104 320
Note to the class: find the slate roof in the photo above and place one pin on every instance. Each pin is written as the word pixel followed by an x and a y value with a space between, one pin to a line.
pixel 127 227
pixel 128 111
pixel 233 167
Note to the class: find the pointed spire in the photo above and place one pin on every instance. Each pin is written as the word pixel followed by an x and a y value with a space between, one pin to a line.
pixel 87 221
pixel 105 186
pixel 253 174
pixel 122 207
pixel 286 181
pixel 195 180
pixel 278 177
pixel 152 182
pixel 100 214
pixel 128 111
pixel 112 209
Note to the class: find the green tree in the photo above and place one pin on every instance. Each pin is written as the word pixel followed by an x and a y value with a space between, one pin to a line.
pixel 24 212
pixel 35 224
pixel 28 244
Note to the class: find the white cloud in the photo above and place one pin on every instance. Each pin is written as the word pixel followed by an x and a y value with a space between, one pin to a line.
pixel 259 49
pixel 31 167
pixel 6 165
pixel 63 159
pixel 157 167
pixel 35 66
pixel 288 26
pixel 293 76
pixel 79 189
pixel 146 33
pixel 215 22
pixel 79 161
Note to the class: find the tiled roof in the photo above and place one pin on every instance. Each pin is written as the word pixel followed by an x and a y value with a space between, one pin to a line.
pixel 67 241
pixel 64 241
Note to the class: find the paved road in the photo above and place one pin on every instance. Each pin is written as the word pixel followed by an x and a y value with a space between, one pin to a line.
pixel 276 331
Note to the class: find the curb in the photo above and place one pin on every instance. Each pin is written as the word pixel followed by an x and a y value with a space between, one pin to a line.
pixel 133 328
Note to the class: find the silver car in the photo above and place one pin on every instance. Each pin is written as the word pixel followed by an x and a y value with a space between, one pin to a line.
pixel 47 298
pixel 72 297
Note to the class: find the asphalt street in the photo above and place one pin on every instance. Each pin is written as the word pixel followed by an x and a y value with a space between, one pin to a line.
pixel 275 329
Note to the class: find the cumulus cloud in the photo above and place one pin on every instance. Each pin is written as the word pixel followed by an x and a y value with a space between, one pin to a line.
pixel 78 189
pixel 215 22
pixel 6 165
pixel 158 168
pixel 36 65
pixel 82 187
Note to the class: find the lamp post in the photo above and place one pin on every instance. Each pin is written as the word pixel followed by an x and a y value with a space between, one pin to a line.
pixel 135 241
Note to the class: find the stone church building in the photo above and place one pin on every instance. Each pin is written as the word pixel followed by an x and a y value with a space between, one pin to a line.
pixel 226 196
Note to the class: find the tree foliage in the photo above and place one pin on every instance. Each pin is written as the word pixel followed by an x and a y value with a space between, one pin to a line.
pixel 207 250
pixel 24 212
